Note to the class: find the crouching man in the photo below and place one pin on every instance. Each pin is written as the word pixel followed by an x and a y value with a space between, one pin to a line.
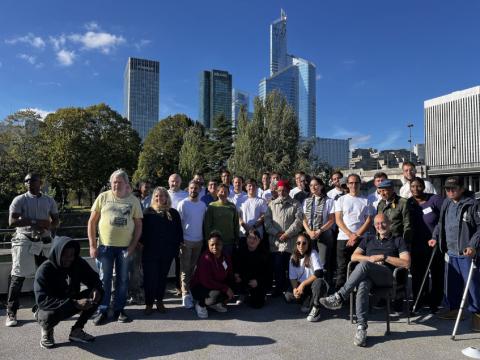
pixel 58 295
pixel 377 258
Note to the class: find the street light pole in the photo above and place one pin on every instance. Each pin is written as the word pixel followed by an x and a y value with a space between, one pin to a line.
pixel 349 153
pixel 410 126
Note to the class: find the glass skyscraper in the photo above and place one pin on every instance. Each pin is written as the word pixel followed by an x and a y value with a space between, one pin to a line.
pixel 215 96
pixel 141 90
pixel 293 77
pixel 239 99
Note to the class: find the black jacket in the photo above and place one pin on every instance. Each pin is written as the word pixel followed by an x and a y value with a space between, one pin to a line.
pixel 54 286
pixel 253 265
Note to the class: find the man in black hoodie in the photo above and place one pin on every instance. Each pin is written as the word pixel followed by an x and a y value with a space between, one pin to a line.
pixel 57 291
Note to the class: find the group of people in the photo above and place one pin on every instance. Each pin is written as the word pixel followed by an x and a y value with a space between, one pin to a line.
pixel 235 241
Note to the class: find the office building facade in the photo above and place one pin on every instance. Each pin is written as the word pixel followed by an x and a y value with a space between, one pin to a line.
pixel 240 99
pixel 334 152
pixel 141 94
pixel 215 96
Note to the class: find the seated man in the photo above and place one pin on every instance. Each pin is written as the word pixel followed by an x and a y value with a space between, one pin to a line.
pixel 58 295
pixel 377 258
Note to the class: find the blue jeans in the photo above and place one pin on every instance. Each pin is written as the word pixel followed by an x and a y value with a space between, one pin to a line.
pixel 109 256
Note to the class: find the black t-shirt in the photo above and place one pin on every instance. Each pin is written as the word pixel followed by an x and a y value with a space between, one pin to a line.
pixel 392 246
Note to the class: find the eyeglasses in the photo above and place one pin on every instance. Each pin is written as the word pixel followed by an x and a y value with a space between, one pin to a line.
pixel 301 243
pixel 451 189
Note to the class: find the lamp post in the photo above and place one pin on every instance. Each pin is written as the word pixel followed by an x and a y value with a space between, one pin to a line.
pixel 410 126
pixel 349 153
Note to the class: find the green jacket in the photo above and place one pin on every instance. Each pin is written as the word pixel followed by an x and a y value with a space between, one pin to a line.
pixel 399 214
pixel 224 219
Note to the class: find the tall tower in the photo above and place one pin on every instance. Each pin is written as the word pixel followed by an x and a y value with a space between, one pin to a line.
pixel 215 96
pixel 278 44
pixel 141 91
pixel 239 99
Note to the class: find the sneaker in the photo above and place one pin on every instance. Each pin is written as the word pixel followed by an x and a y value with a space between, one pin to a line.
pixel 187 302
pixel 148 310
pixel 314 314
pixel 47 341
pixel 11 320
pixel 160 307
pixel 218 307
pixel 332 302
pixel 212 297
pixel 121 316
pixel 100 319
pixel 202 311
pixel 360 338
pixel 80 336
pixel 449 314
pixel 289 297
pixel 240 300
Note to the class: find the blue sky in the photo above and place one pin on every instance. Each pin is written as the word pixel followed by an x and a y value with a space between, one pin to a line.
pixel 377 60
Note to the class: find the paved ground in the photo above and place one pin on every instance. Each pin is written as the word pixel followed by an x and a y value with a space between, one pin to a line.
pixel 278 331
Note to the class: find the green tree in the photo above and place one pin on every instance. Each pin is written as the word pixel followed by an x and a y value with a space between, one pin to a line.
pixel 241 160
pixel 192 155
pixel 161 149
pixel 220 147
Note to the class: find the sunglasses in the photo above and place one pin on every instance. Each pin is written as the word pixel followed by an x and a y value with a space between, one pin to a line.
pixel 301 243
pixel 449 189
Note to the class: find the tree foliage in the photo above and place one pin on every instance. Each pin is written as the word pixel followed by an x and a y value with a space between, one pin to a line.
pixel 220 147
pixel 192 154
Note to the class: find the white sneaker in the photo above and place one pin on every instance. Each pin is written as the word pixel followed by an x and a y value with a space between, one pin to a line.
pixel 314 314
pixel 11 320
pixel 218 307
pixel 212 297
pixel 187 302
pixel 202 311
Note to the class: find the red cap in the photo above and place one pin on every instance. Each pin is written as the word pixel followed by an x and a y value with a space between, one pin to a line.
pixel 283 183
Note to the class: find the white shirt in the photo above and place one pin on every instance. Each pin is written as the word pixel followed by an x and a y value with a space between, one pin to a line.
pixel 406 193
pixel 328 209
pixel 192 214
pixel 177 196
pixel 355 210
pixel 332 194
pixel 237 199
pixel 301 273
pixel 267 195
pixel 250 210
pixel 374 198
pixel 294 191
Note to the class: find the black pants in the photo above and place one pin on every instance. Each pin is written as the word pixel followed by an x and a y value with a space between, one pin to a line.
pixel 48 319
pixel 344 254
pixel 177 273
pixel 255 297
pixel 280 268
pixel 200 293
pixel 316 290
pixel 15 284
pixel 155 272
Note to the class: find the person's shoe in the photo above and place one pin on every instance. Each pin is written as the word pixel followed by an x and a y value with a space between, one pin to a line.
pixel 187 302
pixel 177 292
pixel 449 314
pixel 47 340
pixel 332 302
pixel 314 314
pixel 289 297
pixel 476 322
pixel 218 307
pixel 11 320
pixel 212 297
pixel 360 338
pixel 240 300
pixel 80 336
pixel 160 307
pixel 202 311
pixel 121 316
pixel 100 319
pixel 148 310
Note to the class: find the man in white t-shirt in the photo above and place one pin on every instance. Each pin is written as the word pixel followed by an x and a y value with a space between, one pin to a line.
pixel 252 211
pixel 176 194
pixel 299 182
pixel 353 217
pixel 409 173
pixel 237 197
pixel 271 193
pixel 337 190
pixel 375 197
pixel 192 212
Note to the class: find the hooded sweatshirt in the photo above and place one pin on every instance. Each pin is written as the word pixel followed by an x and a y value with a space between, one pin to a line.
pixel 54 286
pixel 213 273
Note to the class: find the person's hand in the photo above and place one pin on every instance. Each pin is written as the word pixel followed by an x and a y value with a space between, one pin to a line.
pixel 140 246
pixel 253 283
pixel 352 239
pixel 131 250
pixel 83 304
pixel 237 277
pixel 318 233
pixel 375 258
pixel 283 237
pixel 432 242
pixel 95 296
pixel 43 224
pixel 469 251
pixel 297 293
pixel 93 252
pixel 230 294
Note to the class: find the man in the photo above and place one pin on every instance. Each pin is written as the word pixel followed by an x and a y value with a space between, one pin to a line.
pixel 283 222
pixel 375 197
pixel 211 194
pixel 377 258
pixel 305 192
pixel 118 215
pixel 200 179
pixel 145 195
pixel 299 182
pixel 265 184
pixel 337 190
pixel 58 295
pixel 252 211
pixel 222 216
pixel 192 213
pixel 397 211
pixel 353 217
pixel 409 172
pixel 226 178
pixel 271 193
pixel 34 215
pixel 458 235
pixel 176 195
pixel 238 196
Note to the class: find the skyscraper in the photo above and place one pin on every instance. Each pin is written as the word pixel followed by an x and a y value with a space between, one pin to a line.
pixel 293 77
pixel 141 88
pixel 239 99
pixel 215 96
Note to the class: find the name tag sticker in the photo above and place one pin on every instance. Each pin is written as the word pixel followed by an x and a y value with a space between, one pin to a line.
pixel 225 265
pixel 427 210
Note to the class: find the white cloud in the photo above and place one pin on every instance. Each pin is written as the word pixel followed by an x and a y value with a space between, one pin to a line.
pixel 102 41
pixel 91 26
pixel 356 139
pixel 319 77
pixel 28 58
pixel 142 43
pixel 58 41
pixel 43 113
pixel 31 39
pixel 390 140
pixel 65 57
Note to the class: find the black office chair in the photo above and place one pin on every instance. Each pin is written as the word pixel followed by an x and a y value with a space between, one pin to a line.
pixel 398 290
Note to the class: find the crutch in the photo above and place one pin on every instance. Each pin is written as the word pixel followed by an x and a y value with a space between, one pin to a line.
pixel 424 278
pixel 462 304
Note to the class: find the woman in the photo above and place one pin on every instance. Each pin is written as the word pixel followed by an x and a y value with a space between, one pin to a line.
pixel 306 277
pixel 318 220
pixel 212 278
pixel 251 264
pixel 162 236
pixel 425 212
